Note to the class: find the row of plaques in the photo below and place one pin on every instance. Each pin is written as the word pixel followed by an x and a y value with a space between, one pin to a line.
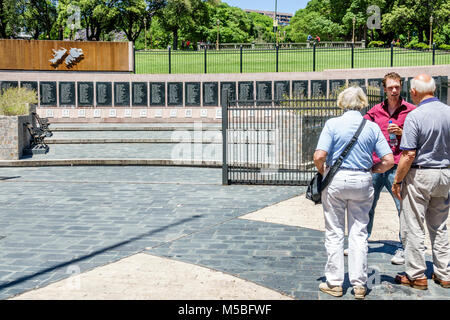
pixel 138 93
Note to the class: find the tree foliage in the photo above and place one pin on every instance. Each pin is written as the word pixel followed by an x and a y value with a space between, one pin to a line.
pixel 160 23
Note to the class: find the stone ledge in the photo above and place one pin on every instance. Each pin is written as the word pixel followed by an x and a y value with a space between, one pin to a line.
pixel 120 140
pixel 110 162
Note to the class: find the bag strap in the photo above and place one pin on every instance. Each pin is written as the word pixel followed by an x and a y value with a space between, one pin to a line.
pixel 335 167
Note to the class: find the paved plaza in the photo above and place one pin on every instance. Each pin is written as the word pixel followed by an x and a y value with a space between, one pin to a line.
pixel 142 232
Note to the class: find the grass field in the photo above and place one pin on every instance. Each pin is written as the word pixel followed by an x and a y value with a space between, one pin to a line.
pixel 289 60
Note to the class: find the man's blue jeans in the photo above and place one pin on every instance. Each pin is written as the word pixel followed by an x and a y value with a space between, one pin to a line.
pixel 379 181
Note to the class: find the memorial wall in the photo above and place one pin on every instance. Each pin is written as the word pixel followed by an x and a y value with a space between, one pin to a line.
pixel 52 55
pixel 100 97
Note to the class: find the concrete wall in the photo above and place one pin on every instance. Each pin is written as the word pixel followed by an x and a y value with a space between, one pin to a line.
pixel 14 136
pixel 183 113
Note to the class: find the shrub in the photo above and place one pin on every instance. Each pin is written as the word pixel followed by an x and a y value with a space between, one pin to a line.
pixel 16 101
pixel 444 46
pixel 373 44
pixel 414 44
pixel 421 45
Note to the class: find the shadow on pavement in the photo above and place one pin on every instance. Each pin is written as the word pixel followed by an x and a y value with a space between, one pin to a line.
pixel 97 252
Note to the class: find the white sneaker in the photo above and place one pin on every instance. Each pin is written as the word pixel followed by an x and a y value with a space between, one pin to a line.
pixel 399 257
pixel 346 252
pixel 335 291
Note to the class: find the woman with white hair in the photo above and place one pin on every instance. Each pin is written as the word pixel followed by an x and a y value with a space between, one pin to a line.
pixel 350 189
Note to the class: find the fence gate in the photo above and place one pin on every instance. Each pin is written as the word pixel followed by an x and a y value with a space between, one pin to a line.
pixel 273 142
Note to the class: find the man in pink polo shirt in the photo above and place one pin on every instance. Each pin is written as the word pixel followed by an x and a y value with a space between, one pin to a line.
pixel 390 116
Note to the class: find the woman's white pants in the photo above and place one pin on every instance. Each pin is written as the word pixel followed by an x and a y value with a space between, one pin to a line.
pixel 351 190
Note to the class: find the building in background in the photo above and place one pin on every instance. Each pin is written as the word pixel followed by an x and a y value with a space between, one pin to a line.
pixel 283 18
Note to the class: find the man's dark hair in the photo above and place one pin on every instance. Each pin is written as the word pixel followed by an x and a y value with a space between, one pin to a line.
pixel 392 75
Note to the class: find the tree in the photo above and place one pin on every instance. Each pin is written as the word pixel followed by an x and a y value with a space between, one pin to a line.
pixel 397 20
pixel 133 15
pixel 304 23
pixel 39 17
pixel 9 16
pixel 97 16
pixel 176 13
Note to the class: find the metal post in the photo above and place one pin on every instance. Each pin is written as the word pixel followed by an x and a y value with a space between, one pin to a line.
pixel 353 55
pixel 434 53
pixel 206 71
pixel 224 103
pixel 134 59
pixel 170 60
pixel 314 56
pixel 431 29
pixel 277 50
pixel 218 32
pixel 392 55
pixel 241 52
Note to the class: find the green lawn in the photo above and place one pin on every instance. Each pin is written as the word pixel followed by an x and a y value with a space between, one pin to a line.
pixel 289 60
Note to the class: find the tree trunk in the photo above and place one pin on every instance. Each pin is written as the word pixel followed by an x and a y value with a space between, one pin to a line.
pixel 175 39
pixel 420 34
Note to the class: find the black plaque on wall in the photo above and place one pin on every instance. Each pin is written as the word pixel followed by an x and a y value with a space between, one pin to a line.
pixel 318 88
pixel 104 93
pixel 30 85
pixel 282 90
pixel 122 94
pixel 336 86
pixel 210 94
pixel 229 87
pixel 140 93
pixel 300 88
pixel 48 93
pixel 263 92
pixel 157 94
pixel 174 93
pixel 192 93
pixel 405 91
pixel 357 82
pixel 66 93
pixel 375 86
pixel 246 91
pixel 8 84
pixel 85 93
pixel 442 89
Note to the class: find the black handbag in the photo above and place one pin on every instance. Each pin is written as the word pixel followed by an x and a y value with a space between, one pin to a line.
pixel 317 185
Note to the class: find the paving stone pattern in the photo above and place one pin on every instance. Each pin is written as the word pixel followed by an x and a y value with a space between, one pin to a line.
pixel 61 220
pixel 55 219
pixel 288 259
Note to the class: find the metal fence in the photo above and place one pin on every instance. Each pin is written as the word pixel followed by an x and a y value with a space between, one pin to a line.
pixel 272 142
pixel 282 59
pixel 287 45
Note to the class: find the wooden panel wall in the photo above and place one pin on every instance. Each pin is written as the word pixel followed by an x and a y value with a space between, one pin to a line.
pixel 35 55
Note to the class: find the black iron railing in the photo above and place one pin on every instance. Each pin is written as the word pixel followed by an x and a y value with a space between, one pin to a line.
pixel 272 142
pixel 282 59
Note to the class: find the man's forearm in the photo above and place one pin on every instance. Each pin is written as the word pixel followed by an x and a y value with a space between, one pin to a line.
pixel 406 160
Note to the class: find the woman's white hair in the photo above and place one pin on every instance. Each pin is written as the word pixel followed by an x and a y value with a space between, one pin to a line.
pixel 423 86
pixel 352 98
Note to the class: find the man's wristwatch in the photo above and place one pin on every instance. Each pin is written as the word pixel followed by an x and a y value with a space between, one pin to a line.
pixel 400 182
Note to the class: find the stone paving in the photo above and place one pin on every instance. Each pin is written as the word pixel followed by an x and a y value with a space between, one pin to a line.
pixel 180 151
pixel 59 219
pixel 56 218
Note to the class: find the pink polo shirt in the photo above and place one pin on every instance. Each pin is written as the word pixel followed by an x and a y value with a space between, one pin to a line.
pixel 380 115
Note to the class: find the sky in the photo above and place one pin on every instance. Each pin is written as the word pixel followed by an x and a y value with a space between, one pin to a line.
pixel 285 6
